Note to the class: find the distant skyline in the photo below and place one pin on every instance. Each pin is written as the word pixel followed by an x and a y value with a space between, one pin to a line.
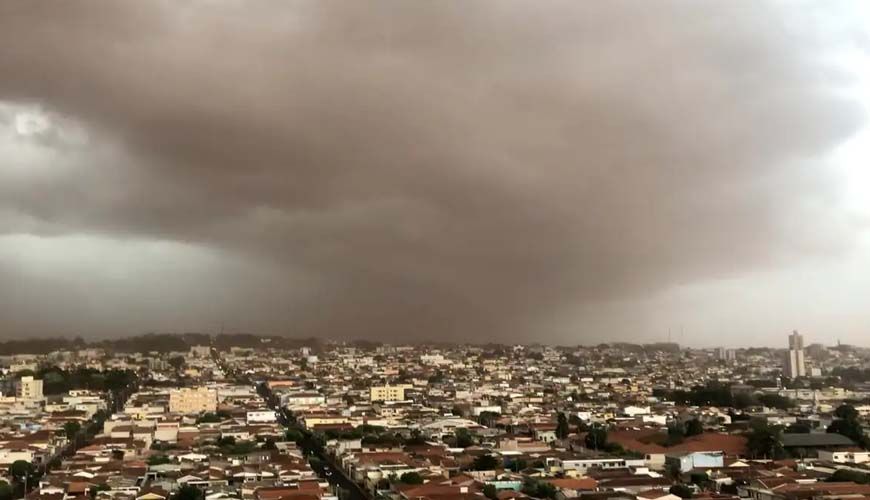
pixel 183 340
pixel 562 172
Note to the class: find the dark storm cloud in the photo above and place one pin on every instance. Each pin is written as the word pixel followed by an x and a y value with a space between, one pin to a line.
pixel 438 170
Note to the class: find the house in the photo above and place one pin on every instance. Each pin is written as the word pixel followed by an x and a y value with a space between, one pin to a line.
pixel 573 487
pixel 657 494
pixel 809 445
pixel 651 442
pixel 855 456
pixel 695 460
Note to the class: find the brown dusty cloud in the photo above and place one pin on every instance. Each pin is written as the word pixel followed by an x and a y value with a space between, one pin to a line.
pixel 436 170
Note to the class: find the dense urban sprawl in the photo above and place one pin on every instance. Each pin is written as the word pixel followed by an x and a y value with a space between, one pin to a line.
pixel 198 417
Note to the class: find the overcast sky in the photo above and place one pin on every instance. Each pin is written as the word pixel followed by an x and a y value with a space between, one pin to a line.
pixel 571 172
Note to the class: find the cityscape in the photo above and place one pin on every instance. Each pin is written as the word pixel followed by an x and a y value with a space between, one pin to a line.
pixel 434 250
pixel 265 418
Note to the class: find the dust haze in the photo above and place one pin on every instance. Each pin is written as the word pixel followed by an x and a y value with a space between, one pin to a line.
pixel 569 172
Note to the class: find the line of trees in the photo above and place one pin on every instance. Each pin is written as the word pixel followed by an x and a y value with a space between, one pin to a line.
pixel 158 342
pixel 22 473
pixel 765 440
pixel 848 424
pixel 718 394
pixel 59 381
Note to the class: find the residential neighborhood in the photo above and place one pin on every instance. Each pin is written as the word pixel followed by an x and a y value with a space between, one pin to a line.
pixel 266 421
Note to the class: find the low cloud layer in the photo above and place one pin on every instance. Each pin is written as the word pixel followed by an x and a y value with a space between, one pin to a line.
pixel 409 170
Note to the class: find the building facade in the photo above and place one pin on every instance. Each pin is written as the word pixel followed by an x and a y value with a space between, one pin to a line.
pixel 794 363
pixel 389 392
pixel 194 400
pixel 29 389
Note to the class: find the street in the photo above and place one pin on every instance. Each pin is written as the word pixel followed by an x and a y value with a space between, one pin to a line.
pixel 324 465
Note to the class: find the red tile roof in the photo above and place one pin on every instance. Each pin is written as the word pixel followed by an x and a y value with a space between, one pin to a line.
pixel 731 444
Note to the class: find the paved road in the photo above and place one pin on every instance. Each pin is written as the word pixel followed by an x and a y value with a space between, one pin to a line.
pixel 324 465
pixel 336 477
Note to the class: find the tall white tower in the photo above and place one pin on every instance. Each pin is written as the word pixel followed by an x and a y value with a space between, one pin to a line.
pixel 794 366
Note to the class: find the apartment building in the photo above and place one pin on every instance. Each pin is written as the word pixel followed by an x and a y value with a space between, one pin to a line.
pixel 389 392
pixel 192 400
pixel 29 389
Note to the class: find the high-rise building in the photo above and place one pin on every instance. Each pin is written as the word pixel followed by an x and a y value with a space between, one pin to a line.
pixel 728 355
pixel 200 351
pixel 794 363
pixel 29 389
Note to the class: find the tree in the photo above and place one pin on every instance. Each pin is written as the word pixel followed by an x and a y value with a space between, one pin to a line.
pixel 159 460
pixel 71 430
pixel 517 465
pixel 765 441
pixel 485 462
pixel 188 492
pixel 546 490
pixel 411 478
pixel 6 492
pixel 596 438
pixel 177 362
pixel 681 490
pixel 742 400
pixel 463 438
pixel 539 489
pixel 848 424
pixel 561 426
pixel 416 438
pixel 699 478
pixel 489 491
pixel 487 418
pixel 846 412
pixel 849 428
pixel 211 418
pixel 293 435
pixel 312 443
pixel 798 428
pixel 845 475
pixel 694 427
pixel 673 471
pixel 775 401
pixel 21 470
pixel 676 433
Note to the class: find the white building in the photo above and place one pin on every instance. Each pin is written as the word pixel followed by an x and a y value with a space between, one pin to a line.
pixel 844 457
pixel 389 392
pixel 633 411
pixel 794 366
pixel 723 354
pixel 260 416
pixel 29 389
pixel 192 400
pixel 477 410
pixel 302 399
pixel 200 351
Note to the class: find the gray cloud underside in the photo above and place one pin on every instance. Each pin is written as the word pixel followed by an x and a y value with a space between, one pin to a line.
pixel 438 169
